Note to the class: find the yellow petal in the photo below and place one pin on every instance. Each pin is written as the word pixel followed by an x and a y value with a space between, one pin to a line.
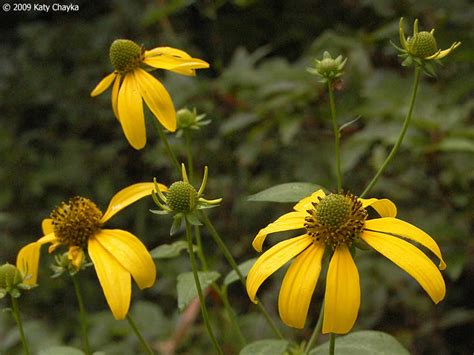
pixel 173 60
pixel 27 260
pixel 76 256
pixel 298 286
pixel 129 251
pixel 130 110
pixel 384 207
pixel 306 203
pixel 342 297
pixel 157 99
pixel 289 221
pixel 403 40
pixel 170 51
pixel 410 259
pixel 272 260
pixel 129 195
pixel 405 230
pixel 115 94
pixel 47 226
pixel 114 279
pixel 445 52
pixel 103 84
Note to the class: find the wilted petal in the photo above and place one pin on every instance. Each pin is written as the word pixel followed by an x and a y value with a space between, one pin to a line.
pixel 289 221
pixel 129 195
pixel 272 260
pixel 405 230
pixel 410 259
pixel 129 251
pixel 114 279
pixel 342 297
pixel 298 286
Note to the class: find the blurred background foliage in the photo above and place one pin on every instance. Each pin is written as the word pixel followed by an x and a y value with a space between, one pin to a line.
pixel 270 125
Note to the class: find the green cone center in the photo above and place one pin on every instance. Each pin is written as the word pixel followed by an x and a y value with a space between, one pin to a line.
pixel 125 55
pixel 181 197
pixel 75 221
pixel 336 219
pixel 422 45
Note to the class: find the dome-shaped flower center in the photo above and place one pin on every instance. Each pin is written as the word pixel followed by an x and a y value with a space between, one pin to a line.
pixel 125 55
pixel 75 221
pixel 181 197
pixel 336 219
pixel 422 45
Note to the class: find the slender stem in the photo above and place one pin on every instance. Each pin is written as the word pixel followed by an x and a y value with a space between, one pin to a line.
pixel 139 335
pixel 189 154
pixel 202 301
pixel 337 136
pixel 317 330
pixel 332 343
pixel 170 152
pixel 233 264
pixel 225 299
pixel 200 253
pixel 16 314
pixel 406 123
pixel 82 315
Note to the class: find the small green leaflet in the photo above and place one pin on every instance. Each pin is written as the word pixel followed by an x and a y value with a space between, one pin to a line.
pixel 186 286
pixel 244 269
pixel 167 251
pixel 265 347
pixel 288 192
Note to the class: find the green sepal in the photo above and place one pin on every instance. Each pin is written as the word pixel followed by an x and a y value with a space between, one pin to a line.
pixel 177 223
pixel 193 219
pixel 3 293
pixel 407 62
pixel 15 293
pixel 429 69
pixel 160 212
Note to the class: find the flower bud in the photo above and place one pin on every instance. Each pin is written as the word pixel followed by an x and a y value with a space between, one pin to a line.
pixel 181 197
pixel 10 276
pixel 328 68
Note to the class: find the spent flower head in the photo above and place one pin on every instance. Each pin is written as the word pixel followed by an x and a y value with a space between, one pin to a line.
pixel 421 49
pixel 117 255
pixel 328 68
pixel 132 83
pixel 183 201
pixel 335 223
pixel 12 281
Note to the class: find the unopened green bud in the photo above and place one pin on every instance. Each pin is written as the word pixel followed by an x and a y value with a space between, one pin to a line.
pixel 125 55
pixel 422 45
pixel 10 280
pixel 328 67
pixel 181 197
pixel 185 118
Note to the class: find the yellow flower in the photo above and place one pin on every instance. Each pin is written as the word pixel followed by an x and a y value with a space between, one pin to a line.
pixel 334 222
pixel 423 44
pixel 132 83
pixel 117 255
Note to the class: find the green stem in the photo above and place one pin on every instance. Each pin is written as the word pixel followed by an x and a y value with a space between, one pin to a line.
pixel 406 123
pixel 200 253
pixel 202 301
pixel 82 315
pixel 139 335
pixel 170 152
pixel 332 343
pixel 189 155
pixel 337 136
pixel 233 264
pixel 16 315
pixel 233 318
pixel 317 330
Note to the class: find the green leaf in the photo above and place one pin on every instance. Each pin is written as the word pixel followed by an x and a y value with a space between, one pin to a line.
pixel 244 269
pixel 167 251
pixel 289 192
pixel 366 342
pixel 61 350
pixel 186 286
pixel 265 347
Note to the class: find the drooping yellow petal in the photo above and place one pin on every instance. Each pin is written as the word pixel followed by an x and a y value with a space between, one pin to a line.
pixel 405 230
pixel 298 286
pixel 170 51
pixel 129 195
pixel 130 110
pixel 272 260
pixel 129 251
pixel 306 203
pixel 27 260
pixel 114 279
pixel 76 256
pixel 103 84
pixel 157 99
pixel 171 59
pixel 47 226
pixel 289 221
pixel 445 52
pixel 342 297
pixel 410 259
pixel 384 207
pixel 115 94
